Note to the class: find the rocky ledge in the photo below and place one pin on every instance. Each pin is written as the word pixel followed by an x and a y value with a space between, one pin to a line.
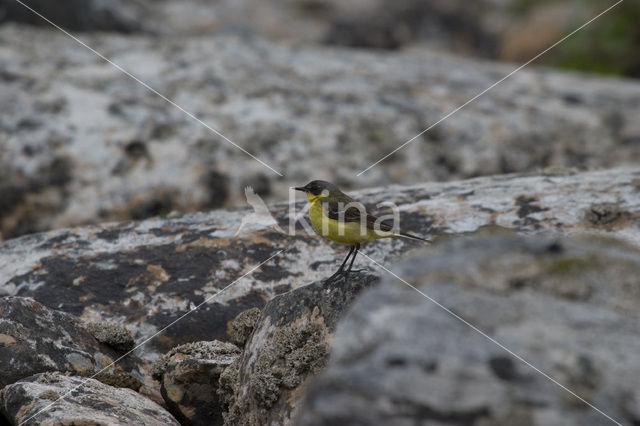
pixel 147 274
pixel 133 156
pixel 249 354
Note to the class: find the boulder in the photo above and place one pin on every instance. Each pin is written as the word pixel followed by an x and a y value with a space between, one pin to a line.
pixel 242 326
pixel 35 339
pixel 133 156
pixel 77 401
pixel 289 344
pixel 487 318
pixel 189 376
pixel 112 334
pixel 147 274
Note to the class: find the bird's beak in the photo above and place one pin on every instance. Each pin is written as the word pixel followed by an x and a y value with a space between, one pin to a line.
pixel 300 188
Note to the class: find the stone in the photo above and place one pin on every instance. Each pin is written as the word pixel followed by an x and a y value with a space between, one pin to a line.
pixel 189 376
pixel 290 344
pixel 603 213
pixel 83 15
pixel 407 355
pixel 138 157
pixel 70 400
pixel 190 269
pixel 145 275
pixel 115 335
pixel 35 339
pixel 242 326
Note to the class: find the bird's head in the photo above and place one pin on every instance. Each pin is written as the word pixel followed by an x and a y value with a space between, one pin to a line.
pixel 318 189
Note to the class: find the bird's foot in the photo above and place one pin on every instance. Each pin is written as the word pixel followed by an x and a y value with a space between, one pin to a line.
pixel 339 274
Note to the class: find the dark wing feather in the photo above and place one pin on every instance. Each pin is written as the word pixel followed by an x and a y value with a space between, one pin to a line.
pixel 352 213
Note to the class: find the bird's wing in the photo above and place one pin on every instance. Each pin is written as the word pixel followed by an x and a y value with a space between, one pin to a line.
pixel 353 213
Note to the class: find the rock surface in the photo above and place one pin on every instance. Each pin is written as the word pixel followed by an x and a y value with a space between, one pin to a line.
pixel 35 339
pixel 132 155
pixel 82 15
pixel 111 334
pixel 242 326
pixel 189 376
pixel 146 274
pixel 289 344
pixel 567 306
pixel 92 403
pixel 511 30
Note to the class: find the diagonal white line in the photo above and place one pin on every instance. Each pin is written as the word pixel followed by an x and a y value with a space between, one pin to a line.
pixel 515 355
pixel 491 87
pixel 153 335
pixel 151 89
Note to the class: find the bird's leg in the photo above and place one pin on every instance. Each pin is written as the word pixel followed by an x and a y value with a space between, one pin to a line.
pixel 341 268
pixel 355 253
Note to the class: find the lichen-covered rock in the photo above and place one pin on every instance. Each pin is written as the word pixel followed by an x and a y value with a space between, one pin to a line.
pixel 242 326
pixel 289 344
pixel 34 339
pixel 567 306
pixel 146 274
pixel 133 156
pixel 120 380
pixel 86 402
pixel 115 335
pixel 189 376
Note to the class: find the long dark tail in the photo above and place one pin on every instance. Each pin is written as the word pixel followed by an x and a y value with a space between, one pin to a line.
pixel 411 237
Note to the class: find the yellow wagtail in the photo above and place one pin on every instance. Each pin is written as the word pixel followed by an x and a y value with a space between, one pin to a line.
pixel 340 218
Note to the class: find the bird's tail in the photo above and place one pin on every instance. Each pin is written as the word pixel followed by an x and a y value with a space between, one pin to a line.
pixel 411 237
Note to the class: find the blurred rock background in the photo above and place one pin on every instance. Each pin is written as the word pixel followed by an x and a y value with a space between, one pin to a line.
pixel 318 89
pixel 297 83
pixel 511 30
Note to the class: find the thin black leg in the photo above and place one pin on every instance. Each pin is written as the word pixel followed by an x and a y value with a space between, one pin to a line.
pixel 355 253
pixel 339 271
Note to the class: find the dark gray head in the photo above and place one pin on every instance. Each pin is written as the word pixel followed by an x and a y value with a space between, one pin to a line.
pixel 316 187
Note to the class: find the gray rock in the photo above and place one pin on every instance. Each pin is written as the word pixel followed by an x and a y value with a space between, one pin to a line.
pixel 82 15
pixel 147 274
pixel 452 24
pixel 86 401
pixel 242 326
pixel 34 339
pixel 213 350
pixel 135 156
pixel 509 30
pixel 189 376
pixel 569 307
pixel 289 344
pixel 115 335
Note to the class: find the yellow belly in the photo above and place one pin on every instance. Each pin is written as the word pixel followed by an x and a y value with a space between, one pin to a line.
pixel 344 233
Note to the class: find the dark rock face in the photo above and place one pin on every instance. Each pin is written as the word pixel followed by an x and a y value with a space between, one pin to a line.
pixel 34 339
pixel 189 376
pixel 289 344
pixel 86 402
pixel 80 15
pixel 460 26
pixel 569 307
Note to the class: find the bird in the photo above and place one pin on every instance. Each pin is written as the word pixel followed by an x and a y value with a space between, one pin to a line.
pixel 260 215
pixel 339 218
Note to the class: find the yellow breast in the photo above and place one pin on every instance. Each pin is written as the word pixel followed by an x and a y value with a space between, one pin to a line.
pixel 344 233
